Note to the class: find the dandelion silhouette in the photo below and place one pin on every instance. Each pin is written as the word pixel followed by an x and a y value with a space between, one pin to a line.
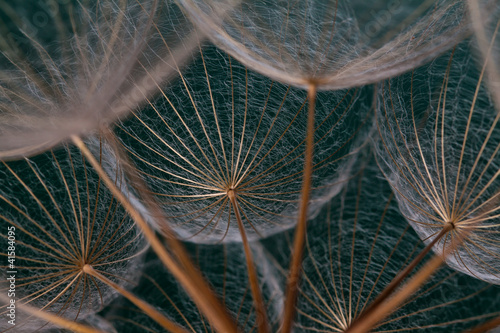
pixel 355 247
pixel 333 44
pixel 224 267
pixel 66 222
pixel 224 141
pixel 88 69
pixel 439 150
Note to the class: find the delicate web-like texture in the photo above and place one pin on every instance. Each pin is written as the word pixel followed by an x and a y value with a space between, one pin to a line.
pixel 334 44
pixel 223 128
pixel 62 218
pixel 485 17
pixel 87 65
pixel 440 139
pixel 225 269
pixel 92 321
pixel 355 247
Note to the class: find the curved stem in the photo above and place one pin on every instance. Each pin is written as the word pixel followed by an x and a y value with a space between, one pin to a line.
pixel 260 308
pixel 385 308
pixel 148 309
pixel 300 231
pixel 54 319
pixel 194 284
pixel 402 275
pixel 486 327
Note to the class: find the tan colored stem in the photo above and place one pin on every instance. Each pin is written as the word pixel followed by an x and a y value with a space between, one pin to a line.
pixel 385 308
pixel 154 208
pixel 300 232
pixel 148 309
pixel 152 205
pixel 401 276
pixel 260 308
pixel 54 319
pixel 486 327
pixel 195 285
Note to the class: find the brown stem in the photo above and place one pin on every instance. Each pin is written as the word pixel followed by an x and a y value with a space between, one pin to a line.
pixel 154 208
pixel 54 319
pixel 386 307
pixel 402 275
pixel 194 284
pixel 260 308
pixel 300 231
pixel 166 323
pixel 151 204
pixel 486 327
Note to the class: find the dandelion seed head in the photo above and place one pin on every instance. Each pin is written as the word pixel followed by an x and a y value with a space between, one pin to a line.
pixel 439 148
pixel 66 224
pixel 355 247
pixel 223 131
pixel 337 44
pixel 101 61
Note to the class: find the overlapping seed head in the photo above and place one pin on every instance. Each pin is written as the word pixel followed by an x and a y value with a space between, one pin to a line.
pixel 63 219
pixel 223 128
pixel 439 149
pixel 90 64
pixel 355 247
pixel 334 44
pixel 218 151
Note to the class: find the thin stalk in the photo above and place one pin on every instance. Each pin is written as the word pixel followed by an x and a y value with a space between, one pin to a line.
pixel 386 307
pixel 486 327
pixel 154 208
pixel 194 285
pixel 260 308
pixel 148 309
pixel 54 319
pixel 300 232
pixel 402 275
